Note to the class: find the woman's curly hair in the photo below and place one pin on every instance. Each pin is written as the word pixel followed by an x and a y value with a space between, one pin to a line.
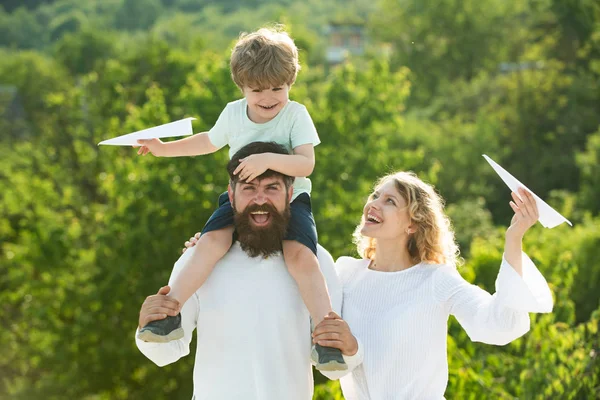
pixel 433 241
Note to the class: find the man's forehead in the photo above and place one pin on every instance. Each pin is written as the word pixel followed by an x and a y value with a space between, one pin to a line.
pixel 271 180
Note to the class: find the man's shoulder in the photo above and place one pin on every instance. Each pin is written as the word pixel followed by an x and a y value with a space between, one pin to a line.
pixel 350 262
pixel 346 267
pixel 328 270
pixel 324 256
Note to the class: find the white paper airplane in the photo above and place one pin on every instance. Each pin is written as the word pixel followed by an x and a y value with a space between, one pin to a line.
pixel 549 217
pixel 183 127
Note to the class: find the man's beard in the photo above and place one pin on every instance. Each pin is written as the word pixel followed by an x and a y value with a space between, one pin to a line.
pixel 261 241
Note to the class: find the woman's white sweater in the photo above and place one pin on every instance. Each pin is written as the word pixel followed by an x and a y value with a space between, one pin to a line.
pixel 400 319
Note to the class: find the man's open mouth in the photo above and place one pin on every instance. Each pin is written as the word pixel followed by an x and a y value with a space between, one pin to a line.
pixel 260 218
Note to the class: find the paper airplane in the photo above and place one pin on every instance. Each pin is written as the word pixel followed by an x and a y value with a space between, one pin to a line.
pixel 549 217
pixel 183 127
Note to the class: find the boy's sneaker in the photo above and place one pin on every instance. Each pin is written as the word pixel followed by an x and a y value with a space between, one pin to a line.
pixel 327 358
pixel 162 330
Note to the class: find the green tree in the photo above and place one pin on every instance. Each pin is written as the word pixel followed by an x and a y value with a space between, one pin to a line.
pixel 589 165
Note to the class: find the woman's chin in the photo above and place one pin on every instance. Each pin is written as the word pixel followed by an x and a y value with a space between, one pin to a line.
pixel 367 231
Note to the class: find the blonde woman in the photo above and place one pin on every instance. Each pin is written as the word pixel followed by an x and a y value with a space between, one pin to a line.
pixel 398 297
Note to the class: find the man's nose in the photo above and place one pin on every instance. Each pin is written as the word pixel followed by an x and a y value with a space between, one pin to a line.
pixel 260 199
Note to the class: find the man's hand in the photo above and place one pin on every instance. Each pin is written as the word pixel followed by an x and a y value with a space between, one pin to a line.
pixel 252 166
pixel 333 331
pixel 158 306
pixel 191 243
pixel 154 146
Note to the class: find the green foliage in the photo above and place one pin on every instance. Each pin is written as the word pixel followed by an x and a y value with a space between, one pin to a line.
pixel 328 391
pixel 87 232
pixel 470 220
pixel 589 165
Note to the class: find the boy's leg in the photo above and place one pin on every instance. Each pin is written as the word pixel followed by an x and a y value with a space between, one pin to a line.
pixel 300 254
pixel 216 239
pixel 303 265
pixel 209 249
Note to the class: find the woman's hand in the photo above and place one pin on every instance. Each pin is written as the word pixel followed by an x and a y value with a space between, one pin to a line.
pixel 333 331
pixel 526 214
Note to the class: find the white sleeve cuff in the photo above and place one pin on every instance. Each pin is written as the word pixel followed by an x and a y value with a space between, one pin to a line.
pixel 356 359
pixel 351 361
pixel 144 345
pixel 527 293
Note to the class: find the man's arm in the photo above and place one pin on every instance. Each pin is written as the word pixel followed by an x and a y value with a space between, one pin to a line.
pixel 166 353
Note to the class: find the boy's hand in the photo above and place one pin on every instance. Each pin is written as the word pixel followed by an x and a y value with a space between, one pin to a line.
pixel 154 146
pixel 252 166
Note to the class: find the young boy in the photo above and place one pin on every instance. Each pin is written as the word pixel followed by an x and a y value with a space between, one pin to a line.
pixel 264 65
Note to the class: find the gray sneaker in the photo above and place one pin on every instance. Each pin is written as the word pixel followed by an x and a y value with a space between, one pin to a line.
pixel 162 330
pixel 327 358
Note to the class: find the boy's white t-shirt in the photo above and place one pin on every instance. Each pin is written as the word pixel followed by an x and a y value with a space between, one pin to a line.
pixel 291 128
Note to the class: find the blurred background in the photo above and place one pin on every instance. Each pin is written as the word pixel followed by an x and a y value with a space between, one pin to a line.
pixel 87 232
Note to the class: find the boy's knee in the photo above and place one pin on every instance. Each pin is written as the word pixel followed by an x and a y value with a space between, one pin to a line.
pixel 216 240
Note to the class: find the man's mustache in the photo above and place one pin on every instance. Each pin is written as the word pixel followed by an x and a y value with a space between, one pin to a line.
pixel 260 207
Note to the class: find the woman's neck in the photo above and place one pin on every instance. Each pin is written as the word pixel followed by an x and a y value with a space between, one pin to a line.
pixel 391 256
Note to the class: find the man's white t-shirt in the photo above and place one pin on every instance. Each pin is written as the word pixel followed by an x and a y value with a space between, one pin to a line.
pixel 253 330
pixel 291 128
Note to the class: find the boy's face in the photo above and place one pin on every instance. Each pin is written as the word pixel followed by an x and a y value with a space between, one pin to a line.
pixel 265 104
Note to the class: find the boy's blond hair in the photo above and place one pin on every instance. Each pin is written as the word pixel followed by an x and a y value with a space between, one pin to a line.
pixel 264 59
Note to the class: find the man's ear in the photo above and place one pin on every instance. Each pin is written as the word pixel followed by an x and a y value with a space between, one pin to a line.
pixel 230 192
pixel 290 192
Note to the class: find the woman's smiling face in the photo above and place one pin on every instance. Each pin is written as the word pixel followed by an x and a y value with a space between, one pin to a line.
pixel 385 215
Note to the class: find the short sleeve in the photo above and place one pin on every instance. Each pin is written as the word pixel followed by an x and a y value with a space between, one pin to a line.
pixel 303 129
pixel 219 134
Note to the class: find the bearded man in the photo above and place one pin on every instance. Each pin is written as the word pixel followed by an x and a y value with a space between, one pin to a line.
pixel 253 329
